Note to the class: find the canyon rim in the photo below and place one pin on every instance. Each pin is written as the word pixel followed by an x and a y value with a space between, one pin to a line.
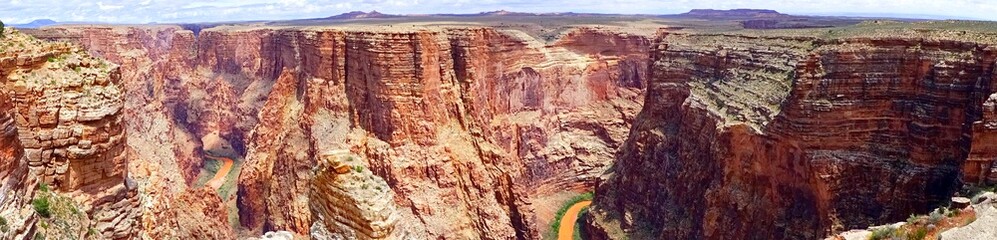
pixel 708 124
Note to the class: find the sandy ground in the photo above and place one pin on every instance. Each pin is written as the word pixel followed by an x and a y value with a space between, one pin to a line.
pixel 567 228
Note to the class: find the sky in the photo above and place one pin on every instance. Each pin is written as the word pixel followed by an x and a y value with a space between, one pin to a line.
pixel 181 11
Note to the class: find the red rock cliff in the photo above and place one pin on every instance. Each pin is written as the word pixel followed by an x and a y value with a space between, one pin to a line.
pixel 468 126
pixel 68 120
pixel 793 138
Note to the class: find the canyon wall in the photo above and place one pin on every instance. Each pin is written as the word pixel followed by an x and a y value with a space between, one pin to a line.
pixel 980 167
pixel 17 187
pixel 468 129
pixel 70 133
pixel 753 137
pixel 441 116
pixel 467 126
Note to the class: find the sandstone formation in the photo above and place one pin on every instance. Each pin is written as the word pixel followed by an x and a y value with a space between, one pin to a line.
pixel 784 137
pixel 466 129
pixel 350 202
pixel 16 187
pixel 69 126
pixel 479 119
pixel 436 120
pixel 161 88
pixel 979 167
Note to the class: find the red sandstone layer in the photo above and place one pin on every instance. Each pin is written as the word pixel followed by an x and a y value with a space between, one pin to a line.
pixel 867 130
pixel 482 121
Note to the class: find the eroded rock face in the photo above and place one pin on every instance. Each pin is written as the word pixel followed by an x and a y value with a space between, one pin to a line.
pixel 793 138
pixel 350 202
pixel 69 126
pixel 438 120
pixel 469 127
pixel 169 105
pixel 979 167
pixel 17 187
pixel 466 125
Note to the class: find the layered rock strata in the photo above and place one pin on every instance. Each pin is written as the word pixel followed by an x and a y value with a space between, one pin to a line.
pixel 16 186
pixel 745 137
pixel 167 102
pixel 466 125
pixel 350 202
pixel 979 167
pixel 69 125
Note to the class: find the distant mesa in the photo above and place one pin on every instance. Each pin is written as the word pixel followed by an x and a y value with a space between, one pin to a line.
pixel 509 13
pixel 765 19
pixel 36 24
pixel 504 13
pixel 735 13
pixel 361 15
pixel 499 13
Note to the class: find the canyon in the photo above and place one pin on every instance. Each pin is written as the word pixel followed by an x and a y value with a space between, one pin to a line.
pixel 436 130
pixel 807 135
pixel 463 128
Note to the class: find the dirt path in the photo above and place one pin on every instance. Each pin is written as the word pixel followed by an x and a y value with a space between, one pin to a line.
pixel 567 228
pixel 217 181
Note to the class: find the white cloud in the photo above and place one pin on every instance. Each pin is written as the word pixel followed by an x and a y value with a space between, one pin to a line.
pixel 108 7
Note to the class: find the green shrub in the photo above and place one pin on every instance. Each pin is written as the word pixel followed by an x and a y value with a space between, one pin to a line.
pixel 2 28
pixel 913 218
pixel 953 212
pixel 43 187
pixel 919 234
pixel 41 206
pixel 883 233
pixel 3 225
pixel 39 236
pixel 935 217
pixel 358 168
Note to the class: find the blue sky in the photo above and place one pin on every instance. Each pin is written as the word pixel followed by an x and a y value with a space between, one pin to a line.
pixel 144 11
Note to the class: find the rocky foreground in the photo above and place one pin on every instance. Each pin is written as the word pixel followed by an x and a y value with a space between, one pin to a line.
pixel 460 132
pixel 63 134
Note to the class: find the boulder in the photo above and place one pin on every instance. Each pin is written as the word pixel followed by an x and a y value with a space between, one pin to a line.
pixel 986 197
pixel 960 202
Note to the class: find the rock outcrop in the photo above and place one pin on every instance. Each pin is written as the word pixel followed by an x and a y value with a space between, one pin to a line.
pixel 16 187
pixel 350 202
pixel 745 136
pixel 69 124
pixel 981 228
pixel 481 119
pixel 980 167
pixel 169 106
